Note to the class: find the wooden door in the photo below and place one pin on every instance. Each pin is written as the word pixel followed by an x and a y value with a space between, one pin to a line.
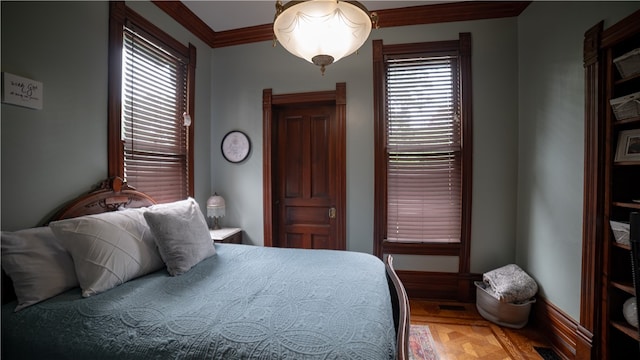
pixel 305 177
pixel 304 170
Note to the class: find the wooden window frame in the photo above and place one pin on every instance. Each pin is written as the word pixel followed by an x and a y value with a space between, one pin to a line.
pixel 119 15
pixel 381 246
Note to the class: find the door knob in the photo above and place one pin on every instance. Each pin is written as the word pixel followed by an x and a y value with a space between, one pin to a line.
pixel 332 213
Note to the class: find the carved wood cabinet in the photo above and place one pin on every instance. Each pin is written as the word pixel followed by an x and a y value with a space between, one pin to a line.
pixel 611 193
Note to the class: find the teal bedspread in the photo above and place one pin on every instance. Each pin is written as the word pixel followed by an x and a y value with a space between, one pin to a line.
pixel 245 302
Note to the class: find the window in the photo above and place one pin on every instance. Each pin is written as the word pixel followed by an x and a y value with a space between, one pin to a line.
pixel 151 82
pixel 423 148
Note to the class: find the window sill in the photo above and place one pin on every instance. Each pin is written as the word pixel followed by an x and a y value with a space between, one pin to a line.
pixel 392 247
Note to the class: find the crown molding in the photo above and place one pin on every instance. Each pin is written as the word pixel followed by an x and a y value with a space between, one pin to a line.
pixel 415 15
pixel 187 18
pixel 244 35
pixel 450 12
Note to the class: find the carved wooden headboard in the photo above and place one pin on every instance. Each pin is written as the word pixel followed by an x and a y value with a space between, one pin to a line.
pixel 111 194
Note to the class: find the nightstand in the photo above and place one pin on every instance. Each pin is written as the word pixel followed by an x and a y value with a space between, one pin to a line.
pixel 227 235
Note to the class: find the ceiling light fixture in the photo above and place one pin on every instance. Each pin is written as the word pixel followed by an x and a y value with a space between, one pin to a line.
pixel 322 31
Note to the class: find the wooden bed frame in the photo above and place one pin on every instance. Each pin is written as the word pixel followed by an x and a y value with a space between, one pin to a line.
pixel 114 193
pixel 401 315
pixel 109 195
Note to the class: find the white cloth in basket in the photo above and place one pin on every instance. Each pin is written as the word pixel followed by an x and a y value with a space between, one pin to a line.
pixel 511 284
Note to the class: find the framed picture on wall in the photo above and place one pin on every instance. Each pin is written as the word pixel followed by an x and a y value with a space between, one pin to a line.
pixel 628 146
pixel 235 146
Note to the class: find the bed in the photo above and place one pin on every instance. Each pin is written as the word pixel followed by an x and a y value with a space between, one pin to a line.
pixel 238 302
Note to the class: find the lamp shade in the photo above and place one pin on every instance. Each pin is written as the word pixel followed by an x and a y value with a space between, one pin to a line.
pixel 322 31
pixel 216 206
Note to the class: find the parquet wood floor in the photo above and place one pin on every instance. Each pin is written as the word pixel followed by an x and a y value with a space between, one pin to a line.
pixel 459 332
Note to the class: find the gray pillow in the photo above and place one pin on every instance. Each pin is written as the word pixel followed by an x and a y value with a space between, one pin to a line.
pixel 108 249
pixel 37 264
pixel 181 233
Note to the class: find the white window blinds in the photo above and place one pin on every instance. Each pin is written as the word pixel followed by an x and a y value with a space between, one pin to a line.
pixel 154 98
pixel 423 144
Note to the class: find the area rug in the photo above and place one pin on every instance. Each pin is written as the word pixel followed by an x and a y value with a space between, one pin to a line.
pixel 421 346
pixel 461 339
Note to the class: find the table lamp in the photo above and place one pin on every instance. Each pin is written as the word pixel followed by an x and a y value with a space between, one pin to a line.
pixel 216 209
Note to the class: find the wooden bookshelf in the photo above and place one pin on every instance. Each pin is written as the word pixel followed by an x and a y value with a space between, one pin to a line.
pixel 611 191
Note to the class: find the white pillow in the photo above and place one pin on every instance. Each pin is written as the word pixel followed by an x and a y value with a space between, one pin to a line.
pixel 181 233
pixel 108 249
pixel 37 264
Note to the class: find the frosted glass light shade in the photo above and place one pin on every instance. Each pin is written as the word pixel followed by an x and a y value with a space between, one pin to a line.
pixel 322 31
pixel 216 206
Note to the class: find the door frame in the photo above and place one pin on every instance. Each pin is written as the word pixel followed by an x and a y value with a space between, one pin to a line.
pixel 269 100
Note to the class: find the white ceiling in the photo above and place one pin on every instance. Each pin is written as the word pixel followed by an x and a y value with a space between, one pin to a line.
pixel 227 15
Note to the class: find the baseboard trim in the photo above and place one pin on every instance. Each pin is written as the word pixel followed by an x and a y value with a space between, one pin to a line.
pixel 568 338
pixel 439 285
pixel 563 332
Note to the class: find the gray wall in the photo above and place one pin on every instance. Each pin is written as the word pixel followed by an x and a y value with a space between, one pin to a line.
pixel 551 142
pixel 528 126
pixel 52 155
pixel 240 73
